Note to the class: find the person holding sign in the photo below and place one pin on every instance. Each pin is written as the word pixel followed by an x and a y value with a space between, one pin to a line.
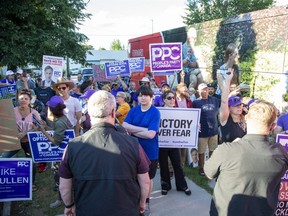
pixel 174 155
pixel 60 124
pixel 143 122
pixel 24 118
pixel 249 170
pixel 104 171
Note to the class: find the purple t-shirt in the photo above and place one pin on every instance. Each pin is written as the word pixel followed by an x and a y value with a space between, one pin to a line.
pixel 283 121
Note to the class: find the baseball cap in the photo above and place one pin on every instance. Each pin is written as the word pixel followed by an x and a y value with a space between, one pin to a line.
pixel 202 86
pixel 20 71
pixel 234 101
pixel 54 101
pixel 164 83
pixel 88 94
pixel 9 72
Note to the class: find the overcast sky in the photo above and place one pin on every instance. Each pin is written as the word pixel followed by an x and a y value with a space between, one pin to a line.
pixel 125 19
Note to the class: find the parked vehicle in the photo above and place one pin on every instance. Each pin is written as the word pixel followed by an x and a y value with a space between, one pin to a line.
pixel 87 73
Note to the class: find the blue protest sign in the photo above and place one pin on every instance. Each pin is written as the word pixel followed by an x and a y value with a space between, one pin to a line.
pixel 137 64
pixel 7 91
pixel 165 57
pixel 15 179
pixel 115 68
pixel 43 150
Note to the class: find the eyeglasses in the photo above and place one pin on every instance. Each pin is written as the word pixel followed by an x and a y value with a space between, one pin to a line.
pixel 170 98
pixel 145 83
pixel 118 96
pixel 63 88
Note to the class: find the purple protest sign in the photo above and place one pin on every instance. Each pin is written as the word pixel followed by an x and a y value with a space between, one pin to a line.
pixel 137 64
pixel 115 68
pixel 15 179
pixel 165 57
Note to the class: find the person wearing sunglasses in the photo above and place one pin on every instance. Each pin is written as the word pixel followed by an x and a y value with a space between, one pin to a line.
pixel 73 109
pixel 231 118
pixel 174 155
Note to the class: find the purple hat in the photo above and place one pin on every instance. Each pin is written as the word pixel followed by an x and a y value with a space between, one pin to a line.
pixel 234 101
pixel 88 94
pixel 251 101
pixel 54 101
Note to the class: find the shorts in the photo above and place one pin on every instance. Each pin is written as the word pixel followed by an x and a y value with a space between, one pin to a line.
pixel 153 168
pixel 212 143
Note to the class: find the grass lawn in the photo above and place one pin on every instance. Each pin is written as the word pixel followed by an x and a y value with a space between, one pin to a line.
pixel 193 174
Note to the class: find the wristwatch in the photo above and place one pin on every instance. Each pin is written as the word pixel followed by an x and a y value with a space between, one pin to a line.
pixel 69 206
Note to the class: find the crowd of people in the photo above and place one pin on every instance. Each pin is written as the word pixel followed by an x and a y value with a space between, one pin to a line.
pixel 105 161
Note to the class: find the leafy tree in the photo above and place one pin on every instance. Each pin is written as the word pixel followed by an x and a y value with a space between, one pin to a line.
pixel 101 48
pixel 204 10
pixel 116 45
pixel 33 28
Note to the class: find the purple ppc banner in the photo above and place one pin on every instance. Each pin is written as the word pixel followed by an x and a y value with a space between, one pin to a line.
pixel 165 57
pixel 115 68
pixel 15 179
pixel 137 64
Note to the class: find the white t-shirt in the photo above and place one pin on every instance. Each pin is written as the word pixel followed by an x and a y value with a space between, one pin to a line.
pixel 72 107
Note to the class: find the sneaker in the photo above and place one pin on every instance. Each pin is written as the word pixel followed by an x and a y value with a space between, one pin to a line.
pixel 147 211
pixel 187 191
pixel 56 204
pixel 201 172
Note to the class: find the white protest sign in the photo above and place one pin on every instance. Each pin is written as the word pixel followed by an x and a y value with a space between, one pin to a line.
pixel 179 127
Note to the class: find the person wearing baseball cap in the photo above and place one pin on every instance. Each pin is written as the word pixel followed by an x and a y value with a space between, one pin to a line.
pixel 231 118
pixel 9 80
pixel 158 101
pixel 60 124
pixel 208 136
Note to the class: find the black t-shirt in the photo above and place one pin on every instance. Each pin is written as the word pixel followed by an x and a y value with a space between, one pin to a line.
pixel 44 94
pixel 231 130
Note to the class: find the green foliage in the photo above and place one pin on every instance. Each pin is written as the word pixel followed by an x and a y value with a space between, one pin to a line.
pixel 285 96
pixel 116 45
pixel 101 48
pixel 33 28
pixel 204 10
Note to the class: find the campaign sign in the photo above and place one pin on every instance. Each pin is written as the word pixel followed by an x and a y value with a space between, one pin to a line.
pixel 282 205
pixel 15 179
pixel 43 150
pixel 7 91
pixel 137 64
pixel 52 68
pixel 165 57
pixel 115 68
pixel 178 127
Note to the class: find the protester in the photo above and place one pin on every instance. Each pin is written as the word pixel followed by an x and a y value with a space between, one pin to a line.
pixel 104 171
pixel 192 74
pixel 86 121
pixel 106 88
pixel 158 101
pixel 73 109
pixel 60 124
pixel 174 155
pixel 79 80
pixel 123 107
pixel 23 81
pixel 231 118
pixel 24 120
pixel 116 86
pixel 231 61
pixel 143 122
pixel 48 73
pixel 144 81
pixel 208 136
pixel 9 80
pixel 249 170
pixel 132 91
pixel 183 101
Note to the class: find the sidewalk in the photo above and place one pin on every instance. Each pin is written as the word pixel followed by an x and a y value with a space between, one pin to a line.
pixel 178 203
